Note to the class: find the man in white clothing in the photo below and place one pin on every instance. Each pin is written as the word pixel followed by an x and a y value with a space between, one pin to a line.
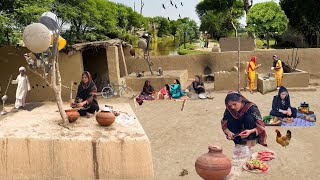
pixel 22 89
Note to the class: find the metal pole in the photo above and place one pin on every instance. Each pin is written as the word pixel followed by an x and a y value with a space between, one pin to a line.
pixel 238 63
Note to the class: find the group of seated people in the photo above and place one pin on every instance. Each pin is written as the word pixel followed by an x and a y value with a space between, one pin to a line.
pixel 242 121
pixel 169 91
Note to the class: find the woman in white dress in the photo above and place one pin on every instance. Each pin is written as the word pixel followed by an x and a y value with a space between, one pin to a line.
pixel 22 88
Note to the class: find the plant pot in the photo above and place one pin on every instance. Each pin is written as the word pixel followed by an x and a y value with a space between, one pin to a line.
pixel 105 118
pixel 72 114
pixel 213 165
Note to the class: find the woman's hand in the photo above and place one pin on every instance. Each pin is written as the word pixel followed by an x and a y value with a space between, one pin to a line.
pixel 229 134
pixel 82 104
pixel 289 113
pixel 245 133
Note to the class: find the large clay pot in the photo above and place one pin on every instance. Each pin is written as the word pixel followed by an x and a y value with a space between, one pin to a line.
pixel 213 165
pixel 105 118
pixel 72 114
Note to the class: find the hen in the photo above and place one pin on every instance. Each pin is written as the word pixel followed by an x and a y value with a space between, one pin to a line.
pixel 283 140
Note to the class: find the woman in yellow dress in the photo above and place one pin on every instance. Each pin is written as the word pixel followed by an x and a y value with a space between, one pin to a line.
pixel 252 66
pixel 277 66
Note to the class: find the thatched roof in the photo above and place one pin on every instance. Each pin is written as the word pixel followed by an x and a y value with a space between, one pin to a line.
pixel 86 45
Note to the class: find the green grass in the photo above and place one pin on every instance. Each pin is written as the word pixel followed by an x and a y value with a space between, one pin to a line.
pixel 189 50
pixel 262 44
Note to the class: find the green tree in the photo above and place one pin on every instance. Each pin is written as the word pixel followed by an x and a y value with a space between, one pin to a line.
pixel 303 17
pixel 267 19
pixel 219 17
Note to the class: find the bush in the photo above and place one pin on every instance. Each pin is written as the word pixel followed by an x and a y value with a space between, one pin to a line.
pixel 183 51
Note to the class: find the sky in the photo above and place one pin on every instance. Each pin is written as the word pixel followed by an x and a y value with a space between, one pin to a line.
pixel 154 8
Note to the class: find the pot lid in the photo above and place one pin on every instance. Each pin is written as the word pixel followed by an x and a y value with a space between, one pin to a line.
pixel 304 104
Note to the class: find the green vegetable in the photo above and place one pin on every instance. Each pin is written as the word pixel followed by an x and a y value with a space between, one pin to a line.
pixel 267 119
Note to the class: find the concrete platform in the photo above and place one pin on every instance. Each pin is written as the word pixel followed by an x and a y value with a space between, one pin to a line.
pixel 136 83
pixel 34 146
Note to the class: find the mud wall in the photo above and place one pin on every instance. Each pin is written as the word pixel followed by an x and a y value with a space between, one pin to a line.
pixel 231 44
pixel 224 61
pixel 12 58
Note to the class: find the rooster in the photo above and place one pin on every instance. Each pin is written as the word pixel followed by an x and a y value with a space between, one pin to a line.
pixel 283 140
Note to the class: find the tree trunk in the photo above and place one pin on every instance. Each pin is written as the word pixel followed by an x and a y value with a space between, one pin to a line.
pixel 184 40
pixel 57 85
pixel 268 38
pixel 7 34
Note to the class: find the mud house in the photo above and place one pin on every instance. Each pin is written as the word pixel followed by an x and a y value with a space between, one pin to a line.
pixel 104 60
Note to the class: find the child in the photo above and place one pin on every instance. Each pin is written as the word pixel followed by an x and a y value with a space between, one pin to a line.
pixel 164 93
pixel 22 89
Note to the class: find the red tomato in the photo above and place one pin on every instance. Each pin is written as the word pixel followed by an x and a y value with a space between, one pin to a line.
pixel 264 169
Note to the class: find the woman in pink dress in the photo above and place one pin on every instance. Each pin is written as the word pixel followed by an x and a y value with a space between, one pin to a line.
pixel 164 93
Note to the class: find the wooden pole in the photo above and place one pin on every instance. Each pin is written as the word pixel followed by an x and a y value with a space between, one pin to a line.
pixel 71 91
pixel 238 63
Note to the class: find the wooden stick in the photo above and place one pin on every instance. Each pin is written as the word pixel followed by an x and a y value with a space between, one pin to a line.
pixel 71 91
pixel 184 102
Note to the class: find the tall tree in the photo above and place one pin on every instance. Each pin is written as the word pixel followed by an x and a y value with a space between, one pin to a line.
pixel 219 15
pixel 304 17
pixel 267 19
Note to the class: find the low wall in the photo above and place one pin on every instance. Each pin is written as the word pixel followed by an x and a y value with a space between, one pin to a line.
pixel 296 79
pixel 225 61
pixel 229 80
pixel 157 82
pixel 33 146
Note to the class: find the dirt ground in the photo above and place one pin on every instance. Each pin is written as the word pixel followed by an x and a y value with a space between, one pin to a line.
pixel 178 137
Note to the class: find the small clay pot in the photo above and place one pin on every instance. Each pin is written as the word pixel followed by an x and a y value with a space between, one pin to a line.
pixel 213 165
pixel 72 114
pixel 105 118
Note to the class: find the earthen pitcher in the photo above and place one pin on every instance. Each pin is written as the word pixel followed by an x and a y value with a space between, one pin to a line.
pixel 72 114
pixel 213 165
pixel 105 118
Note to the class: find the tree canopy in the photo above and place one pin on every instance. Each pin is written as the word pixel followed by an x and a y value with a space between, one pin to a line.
pixel 217 16
pixel 304 17
pixel 267 19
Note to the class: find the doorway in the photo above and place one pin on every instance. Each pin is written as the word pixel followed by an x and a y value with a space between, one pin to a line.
pixel 95 61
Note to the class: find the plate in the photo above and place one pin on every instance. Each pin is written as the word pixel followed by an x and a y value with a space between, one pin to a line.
pixel 255 155
pixel 257 171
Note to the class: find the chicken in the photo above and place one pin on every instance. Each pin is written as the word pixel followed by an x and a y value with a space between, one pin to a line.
pixel 283 140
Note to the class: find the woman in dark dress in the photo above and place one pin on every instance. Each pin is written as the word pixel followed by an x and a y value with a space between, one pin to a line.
pixel 86 96
pixel 148 91
pixel 242 121
pixel 281 106
pixel 197 85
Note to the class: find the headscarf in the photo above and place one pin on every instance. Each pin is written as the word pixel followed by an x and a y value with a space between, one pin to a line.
pixel 275 61
pixel 87 91
pixel 247 105
pixel 22 69
pixel 286 100
pixel 90 82
pixel 147 88
pixel 253 59
pixel 262 136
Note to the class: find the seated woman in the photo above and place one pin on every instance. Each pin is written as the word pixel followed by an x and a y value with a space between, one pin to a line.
pixel 242 121
pixel 164 93
pixel 86 96
pixel 281 106
pixel 197 85
pixel 175 90
pixel 147 91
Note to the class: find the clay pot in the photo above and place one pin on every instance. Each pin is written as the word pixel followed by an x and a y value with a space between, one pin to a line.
pixel 72 114
pixel 213 165
pixel 105 118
